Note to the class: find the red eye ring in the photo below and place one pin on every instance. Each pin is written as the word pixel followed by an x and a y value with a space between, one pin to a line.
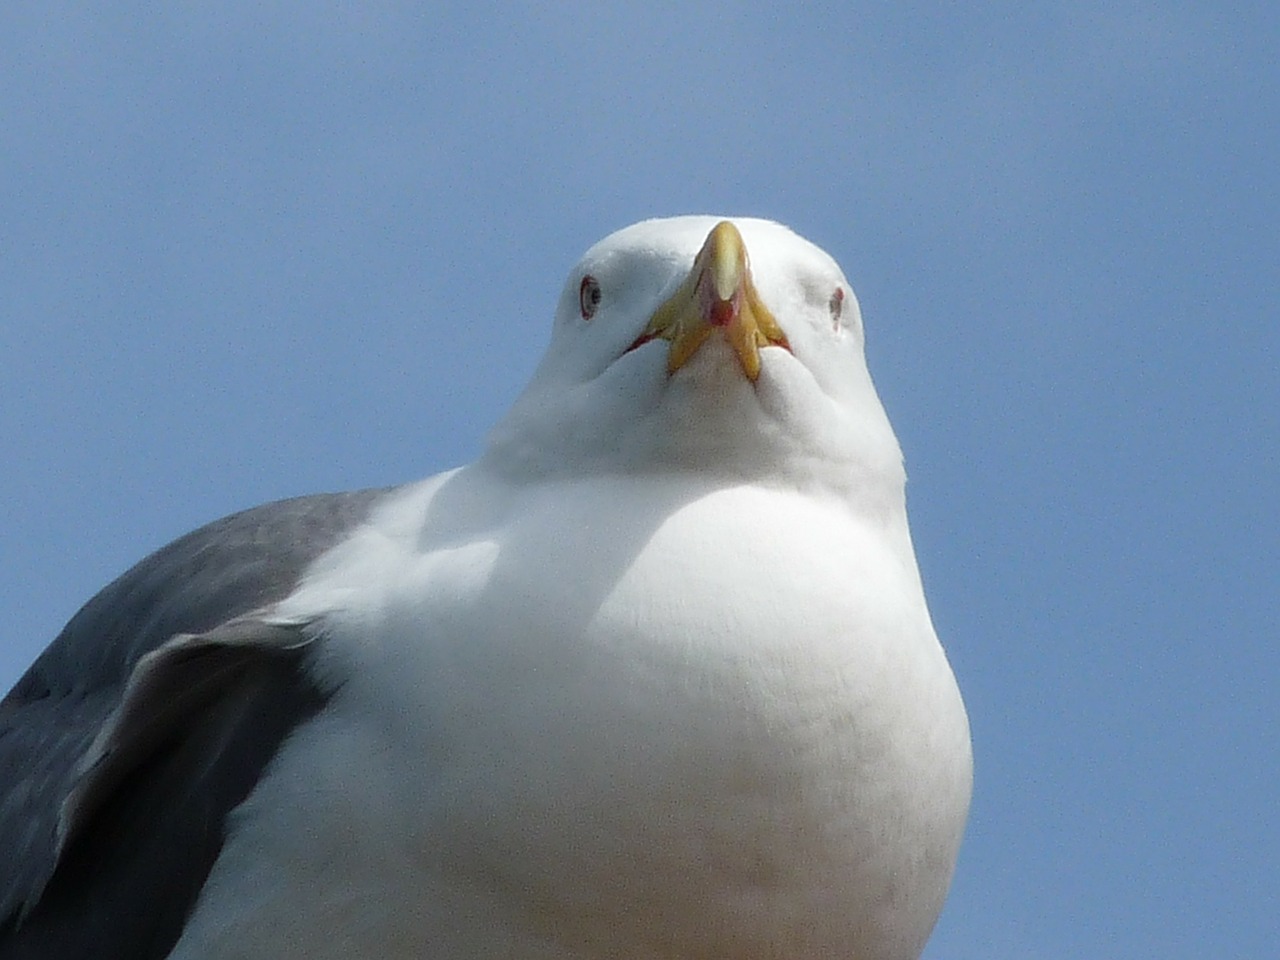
pixel 589 296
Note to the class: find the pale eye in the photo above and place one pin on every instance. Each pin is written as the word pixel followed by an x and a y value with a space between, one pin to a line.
pixel 589 296
pixel 836 305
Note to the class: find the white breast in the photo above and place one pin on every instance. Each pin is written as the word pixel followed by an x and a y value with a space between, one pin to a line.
pixel 716 725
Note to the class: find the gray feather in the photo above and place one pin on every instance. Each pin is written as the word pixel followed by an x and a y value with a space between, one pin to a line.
pixel 151 715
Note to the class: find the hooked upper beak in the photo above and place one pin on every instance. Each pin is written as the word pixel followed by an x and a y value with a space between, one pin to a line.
pixel 718 294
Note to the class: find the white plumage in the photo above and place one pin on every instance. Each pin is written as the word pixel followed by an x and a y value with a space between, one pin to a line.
pixel 653 679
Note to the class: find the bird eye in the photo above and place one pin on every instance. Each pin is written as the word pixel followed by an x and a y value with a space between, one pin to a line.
pixel 836 305
pixel 589 296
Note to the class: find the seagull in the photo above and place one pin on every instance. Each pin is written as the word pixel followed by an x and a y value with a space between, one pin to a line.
pixel 654 678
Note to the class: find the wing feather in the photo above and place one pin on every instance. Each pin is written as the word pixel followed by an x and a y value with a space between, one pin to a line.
pixel 149 718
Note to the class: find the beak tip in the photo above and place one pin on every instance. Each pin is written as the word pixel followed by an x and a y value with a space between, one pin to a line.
pixel 719 294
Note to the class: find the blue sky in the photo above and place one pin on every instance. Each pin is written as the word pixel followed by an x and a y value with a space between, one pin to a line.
pixel 268 249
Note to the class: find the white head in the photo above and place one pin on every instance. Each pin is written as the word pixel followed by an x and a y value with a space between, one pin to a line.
pixel 686 345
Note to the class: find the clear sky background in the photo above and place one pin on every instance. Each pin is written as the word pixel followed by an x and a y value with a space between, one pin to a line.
pixel 254 250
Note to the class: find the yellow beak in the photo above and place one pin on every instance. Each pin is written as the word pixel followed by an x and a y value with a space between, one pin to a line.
pixel 718 294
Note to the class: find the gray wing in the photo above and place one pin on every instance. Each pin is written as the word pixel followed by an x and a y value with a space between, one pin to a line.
pixel 150 717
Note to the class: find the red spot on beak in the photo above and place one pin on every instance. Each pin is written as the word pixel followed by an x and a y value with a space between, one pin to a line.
pixel 722 313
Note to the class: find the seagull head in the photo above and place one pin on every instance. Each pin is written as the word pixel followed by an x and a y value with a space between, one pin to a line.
pixel 729 346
